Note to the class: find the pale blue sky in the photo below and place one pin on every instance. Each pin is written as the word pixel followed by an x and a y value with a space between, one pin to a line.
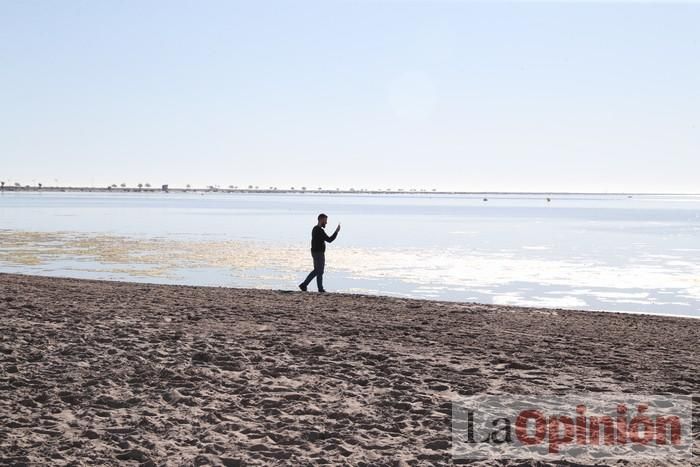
pixel 560 96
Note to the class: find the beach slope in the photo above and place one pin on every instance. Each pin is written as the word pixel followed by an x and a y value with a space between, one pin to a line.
pixel 98 372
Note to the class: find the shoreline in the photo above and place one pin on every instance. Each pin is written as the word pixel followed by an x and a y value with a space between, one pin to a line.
pixel 108 372
pixel 361 295
pixel 361 191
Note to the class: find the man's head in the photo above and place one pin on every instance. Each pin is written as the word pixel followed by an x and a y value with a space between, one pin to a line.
pixel 322 220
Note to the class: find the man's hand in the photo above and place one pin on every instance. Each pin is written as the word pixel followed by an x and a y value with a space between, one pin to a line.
pixel 337 229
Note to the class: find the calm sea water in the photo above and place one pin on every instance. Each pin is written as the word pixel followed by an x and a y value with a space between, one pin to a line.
pixel 618 253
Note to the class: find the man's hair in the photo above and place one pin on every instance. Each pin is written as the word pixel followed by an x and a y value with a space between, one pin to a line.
pixel 322 216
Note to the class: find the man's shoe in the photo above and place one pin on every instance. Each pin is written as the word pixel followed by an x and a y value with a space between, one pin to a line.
pixel 302 287
pixel 322 291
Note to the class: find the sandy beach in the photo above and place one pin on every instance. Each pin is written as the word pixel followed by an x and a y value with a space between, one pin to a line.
pixel 112 373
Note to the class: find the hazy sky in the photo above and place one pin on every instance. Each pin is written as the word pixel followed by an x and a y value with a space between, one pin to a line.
pixel 587 96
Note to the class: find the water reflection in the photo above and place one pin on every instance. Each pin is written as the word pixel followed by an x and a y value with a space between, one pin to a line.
pixel 651 283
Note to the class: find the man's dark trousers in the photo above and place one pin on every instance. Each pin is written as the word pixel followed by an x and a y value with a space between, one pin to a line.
pixel 319 264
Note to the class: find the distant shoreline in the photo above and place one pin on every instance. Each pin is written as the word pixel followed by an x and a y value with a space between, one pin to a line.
pixel 71 189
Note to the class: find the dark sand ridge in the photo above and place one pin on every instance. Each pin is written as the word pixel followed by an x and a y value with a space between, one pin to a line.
pixel 98 372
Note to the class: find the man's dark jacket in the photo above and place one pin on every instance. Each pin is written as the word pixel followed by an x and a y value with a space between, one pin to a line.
pixel 319 239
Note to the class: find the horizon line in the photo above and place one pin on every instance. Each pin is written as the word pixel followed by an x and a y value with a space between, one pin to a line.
pixel 399 191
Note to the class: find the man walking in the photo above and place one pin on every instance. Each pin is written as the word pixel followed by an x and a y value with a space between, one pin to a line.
pixel 318 252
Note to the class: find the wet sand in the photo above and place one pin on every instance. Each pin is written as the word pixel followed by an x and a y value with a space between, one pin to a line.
pixel 112 373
